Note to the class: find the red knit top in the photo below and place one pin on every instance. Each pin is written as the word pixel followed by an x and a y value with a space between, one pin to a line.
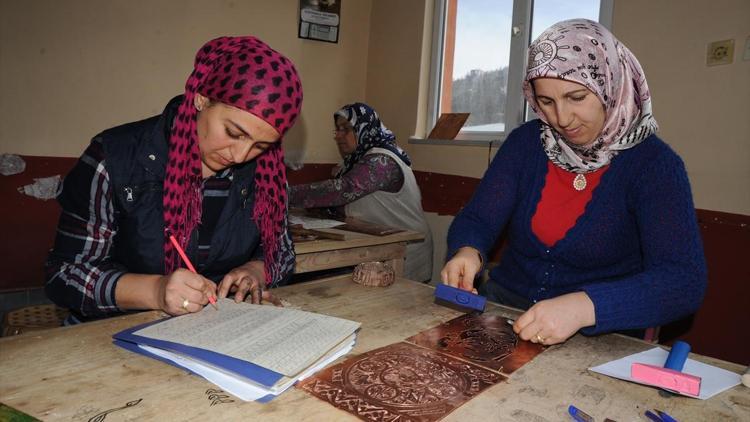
pixel 560 204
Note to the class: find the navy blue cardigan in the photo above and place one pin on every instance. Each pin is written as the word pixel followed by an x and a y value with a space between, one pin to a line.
pixel 636 250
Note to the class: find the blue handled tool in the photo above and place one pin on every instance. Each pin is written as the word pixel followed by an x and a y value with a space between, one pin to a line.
pixel 579 415
pixel 677 356
pixel 459 299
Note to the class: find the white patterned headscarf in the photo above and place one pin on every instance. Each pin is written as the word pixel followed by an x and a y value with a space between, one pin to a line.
pixel 370 133
pixel 585 52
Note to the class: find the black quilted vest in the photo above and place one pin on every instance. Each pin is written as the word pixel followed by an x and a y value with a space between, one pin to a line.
pixel 135 159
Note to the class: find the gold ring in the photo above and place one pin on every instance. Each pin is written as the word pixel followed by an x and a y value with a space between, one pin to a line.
pixel 186 302
pixel 539 338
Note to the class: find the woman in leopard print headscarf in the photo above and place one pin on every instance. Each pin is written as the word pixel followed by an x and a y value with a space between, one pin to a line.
pixel 207 172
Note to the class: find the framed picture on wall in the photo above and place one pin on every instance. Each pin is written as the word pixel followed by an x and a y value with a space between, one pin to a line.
pixel 319 20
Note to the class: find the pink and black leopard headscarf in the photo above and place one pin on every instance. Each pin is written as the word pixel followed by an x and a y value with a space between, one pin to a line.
pixel 246 73
pixel 585 52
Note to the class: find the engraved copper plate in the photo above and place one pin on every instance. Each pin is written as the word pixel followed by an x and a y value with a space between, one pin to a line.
pixel 486 340
pixel 400 382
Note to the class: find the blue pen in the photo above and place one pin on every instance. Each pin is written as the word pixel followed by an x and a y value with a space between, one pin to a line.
pixel 579 415
pixel 661 417
pixel 652 416
pixel 665 417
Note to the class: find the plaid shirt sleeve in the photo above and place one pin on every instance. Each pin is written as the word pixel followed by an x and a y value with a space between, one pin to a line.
pixel 81 275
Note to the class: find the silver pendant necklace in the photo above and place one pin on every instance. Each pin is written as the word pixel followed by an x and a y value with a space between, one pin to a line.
pixel 579 183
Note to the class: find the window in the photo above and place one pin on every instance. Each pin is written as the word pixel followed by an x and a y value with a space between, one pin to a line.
pixel 479 57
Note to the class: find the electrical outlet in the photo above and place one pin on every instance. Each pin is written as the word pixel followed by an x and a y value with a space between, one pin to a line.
pixel 720 52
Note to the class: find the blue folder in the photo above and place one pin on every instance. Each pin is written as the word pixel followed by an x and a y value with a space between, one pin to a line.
pixel 263 376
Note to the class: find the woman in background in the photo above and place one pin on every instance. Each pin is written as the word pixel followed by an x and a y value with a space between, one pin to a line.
pixel 602 230
pixel 374 183
pixel 208 171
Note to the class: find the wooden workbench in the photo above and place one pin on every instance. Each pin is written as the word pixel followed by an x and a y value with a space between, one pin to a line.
pixel 75 373
pixel 323 254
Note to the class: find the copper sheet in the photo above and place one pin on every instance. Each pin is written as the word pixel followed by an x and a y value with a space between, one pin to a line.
pixel 400 382
pixel 486 340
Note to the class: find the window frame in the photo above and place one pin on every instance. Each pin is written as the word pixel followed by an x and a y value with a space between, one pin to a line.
pixel 520 39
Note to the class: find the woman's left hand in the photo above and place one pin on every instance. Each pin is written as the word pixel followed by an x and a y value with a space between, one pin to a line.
pixel 247 279
pixel 555 320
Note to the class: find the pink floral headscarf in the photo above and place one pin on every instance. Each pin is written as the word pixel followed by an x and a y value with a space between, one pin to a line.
pixel 246 73
pixel 585 52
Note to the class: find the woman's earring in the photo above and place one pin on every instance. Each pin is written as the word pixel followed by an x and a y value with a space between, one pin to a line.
pixel 199 102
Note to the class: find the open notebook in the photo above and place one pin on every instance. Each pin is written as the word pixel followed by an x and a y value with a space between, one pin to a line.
pixel 254 352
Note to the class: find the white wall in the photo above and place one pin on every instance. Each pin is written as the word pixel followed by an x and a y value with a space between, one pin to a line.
pixel 69 69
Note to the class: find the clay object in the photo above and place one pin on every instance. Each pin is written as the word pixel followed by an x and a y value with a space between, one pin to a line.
pixel 374 273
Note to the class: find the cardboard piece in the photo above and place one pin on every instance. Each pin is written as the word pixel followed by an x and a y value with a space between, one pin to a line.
pixel 448 125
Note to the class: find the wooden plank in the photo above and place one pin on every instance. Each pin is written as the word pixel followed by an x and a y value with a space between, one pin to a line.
pixel 297 229
pixel 354 240
pixel 361 226
pixel 75 373
pixel 448 125
pixel 351 256
pixel 354 248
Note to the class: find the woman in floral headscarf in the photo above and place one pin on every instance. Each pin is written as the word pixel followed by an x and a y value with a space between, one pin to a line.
pixel 374 183
pixel 602 233
pixel 207 172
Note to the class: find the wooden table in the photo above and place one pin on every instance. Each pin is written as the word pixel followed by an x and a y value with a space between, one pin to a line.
pixel 75 373
pixel 324 254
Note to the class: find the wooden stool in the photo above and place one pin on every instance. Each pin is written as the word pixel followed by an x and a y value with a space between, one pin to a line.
pixel 31 318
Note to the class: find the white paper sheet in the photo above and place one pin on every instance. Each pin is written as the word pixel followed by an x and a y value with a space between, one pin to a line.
pixel 713 380
pixel 314 223
pixel 280 339
pixel 238 387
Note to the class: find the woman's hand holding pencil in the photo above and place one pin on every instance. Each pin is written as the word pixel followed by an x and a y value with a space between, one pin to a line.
pixel 198 283
pixel 245 280
pixel 184 291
